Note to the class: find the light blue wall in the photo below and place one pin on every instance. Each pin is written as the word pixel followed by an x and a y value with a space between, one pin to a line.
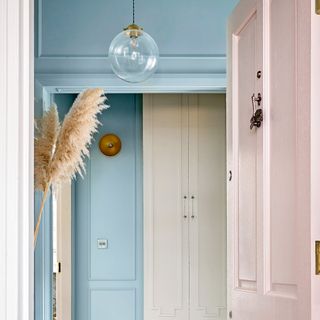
pixel 73 36
pixel 43 262
pixel 108 205
pixel 42 254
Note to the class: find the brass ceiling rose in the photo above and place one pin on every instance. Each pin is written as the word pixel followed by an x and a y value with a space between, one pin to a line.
pixel 133 30
pixel 110 144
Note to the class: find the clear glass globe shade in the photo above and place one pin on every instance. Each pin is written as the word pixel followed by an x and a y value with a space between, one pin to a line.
pixel 134 58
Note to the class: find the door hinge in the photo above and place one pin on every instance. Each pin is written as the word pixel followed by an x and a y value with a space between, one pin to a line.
pixel 317 252
pixel 230 314
pixel 230 175
pixel 59 267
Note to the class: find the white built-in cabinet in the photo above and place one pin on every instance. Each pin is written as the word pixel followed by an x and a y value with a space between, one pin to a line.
pixel 184 206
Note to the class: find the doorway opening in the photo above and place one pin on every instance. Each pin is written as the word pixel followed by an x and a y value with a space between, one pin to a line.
pixel 170 260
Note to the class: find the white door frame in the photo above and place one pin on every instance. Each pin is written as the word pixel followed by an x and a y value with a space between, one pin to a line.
pixel 315 153
pixel 16 159
pixel 64 252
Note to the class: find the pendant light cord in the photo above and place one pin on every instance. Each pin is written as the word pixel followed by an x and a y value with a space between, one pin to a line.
pixel 133 12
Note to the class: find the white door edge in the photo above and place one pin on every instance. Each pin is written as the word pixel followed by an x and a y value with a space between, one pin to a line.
pixel 16 160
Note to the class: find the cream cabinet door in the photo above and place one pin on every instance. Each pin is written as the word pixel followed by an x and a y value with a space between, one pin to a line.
pixel 185 207
pixel 207 185
pixel 166 266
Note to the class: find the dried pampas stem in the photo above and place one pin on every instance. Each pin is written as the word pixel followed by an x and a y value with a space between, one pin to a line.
pixel 43 201
pixel 60 153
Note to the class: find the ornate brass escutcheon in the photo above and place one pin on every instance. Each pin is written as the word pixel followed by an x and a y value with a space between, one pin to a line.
pixel 257 114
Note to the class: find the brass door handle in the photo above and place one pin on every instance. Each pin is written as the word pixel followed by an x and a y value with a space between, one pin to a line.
pixel 257 114
pixel 185 212
pixel 192 207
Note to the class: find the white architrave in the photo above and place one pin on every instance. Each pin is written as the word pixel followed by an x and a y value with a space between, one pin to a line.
pixel 64 252
pixel 16 159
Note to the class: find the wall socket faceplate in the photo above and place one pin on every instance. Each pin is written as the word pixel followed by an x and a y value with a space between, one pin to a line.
pixel 102 243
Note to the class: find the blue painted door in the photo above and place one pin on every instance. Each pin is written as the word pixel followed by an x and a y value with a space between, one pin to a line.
pixel 108 283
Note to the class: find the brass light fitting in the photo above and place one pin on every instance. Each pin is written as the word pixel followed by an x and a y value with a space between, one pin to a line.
pixel 317 7
pixel 110 144
pixel 133 54
pixel 133 30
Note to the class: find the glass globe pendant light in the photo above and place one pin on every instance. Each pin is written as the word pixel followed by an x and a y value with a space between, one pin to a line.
pixel 133 53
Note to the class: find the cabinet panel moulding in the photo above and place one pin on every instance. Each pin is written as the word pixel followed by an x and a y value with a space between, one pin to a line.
pixel 165 83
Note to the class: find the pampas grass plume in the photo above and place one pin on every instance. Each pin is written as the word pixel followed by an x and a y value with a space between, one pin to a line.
pixel 47 130
pixel 75 136
pixel 60 153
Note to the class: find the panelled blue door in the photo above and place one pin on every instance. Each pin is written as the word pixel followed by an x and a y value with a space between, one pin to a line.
pixel 108 282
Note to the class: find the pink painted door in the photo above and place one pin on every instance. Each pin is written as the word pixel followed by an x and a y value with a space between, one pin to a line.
pixel 270 248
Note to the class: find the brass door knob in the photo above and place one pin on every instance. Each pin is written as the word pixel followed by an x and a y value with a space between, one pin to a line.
pixel 110 144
